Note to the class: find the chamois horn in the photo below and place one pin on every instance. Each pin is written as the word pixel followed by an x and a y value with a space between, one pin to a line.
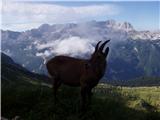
pixel 106 51
pixel 102 46
pixel 96 48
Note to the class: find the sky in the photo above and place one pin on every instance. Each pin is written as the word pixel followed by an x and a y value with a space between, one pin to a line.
pixel 23 15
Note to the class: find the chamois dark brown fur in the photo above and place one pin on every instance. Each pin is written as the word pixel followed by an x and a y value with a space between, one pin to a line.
pixel 85 73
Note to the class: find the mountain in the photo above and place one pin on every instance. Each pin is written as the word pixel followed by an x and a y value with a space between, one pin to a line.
pixel 133 53
pixel 12 73
pixel 131 59
pixel 119 26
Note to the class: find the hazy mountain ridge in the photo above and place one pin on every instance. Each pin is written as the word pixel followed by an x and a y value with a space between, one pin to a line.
pixel 13 72
pixel 34 47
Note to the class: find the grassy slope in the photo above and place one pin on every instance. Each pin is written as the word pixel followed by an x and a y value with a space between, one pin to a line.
pixel 150 95
pixel 35 102
pixel 136 96
pixel 141 81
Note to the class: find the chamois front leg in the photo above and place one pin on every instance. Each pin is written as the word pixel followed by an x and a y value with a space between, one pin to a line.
pixel 89 93
pixel 83 97
pixel 86 94
pixel 56 85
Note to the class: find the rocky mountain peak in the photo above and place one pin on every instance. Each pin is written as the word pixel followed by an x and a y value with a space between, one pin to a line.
pixel 125 26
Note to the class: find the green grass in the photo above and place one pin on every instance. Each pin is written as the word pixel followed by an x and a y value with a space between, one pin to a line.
pixel 151 95
pixel 35 102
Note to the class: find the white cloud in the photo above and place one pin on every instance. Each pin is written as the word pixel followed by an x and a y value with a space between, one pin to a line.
pixel 46 45
pixel 45 54
pixel 22 16
pixel 73 46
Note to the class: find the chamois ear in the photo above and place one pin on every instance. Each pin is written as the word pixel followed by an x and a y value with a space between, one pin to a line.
pixel 96 48
pixel 106 51
pixel 102 46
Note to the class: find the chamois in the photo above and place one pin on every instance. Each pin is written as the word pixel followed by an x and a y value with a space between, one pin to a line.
pixel 85 73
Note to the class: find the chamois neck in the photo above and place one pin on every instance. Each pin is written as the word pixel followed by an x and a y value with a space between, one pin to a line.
pixel 98 68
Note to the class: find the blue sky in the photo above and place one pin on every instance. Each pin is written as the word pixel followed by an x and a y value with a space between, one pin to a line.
pixel 20 15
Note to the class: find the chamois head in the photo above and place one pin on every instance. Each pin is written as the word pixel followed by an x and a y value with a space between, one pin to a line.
pixel 99 56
